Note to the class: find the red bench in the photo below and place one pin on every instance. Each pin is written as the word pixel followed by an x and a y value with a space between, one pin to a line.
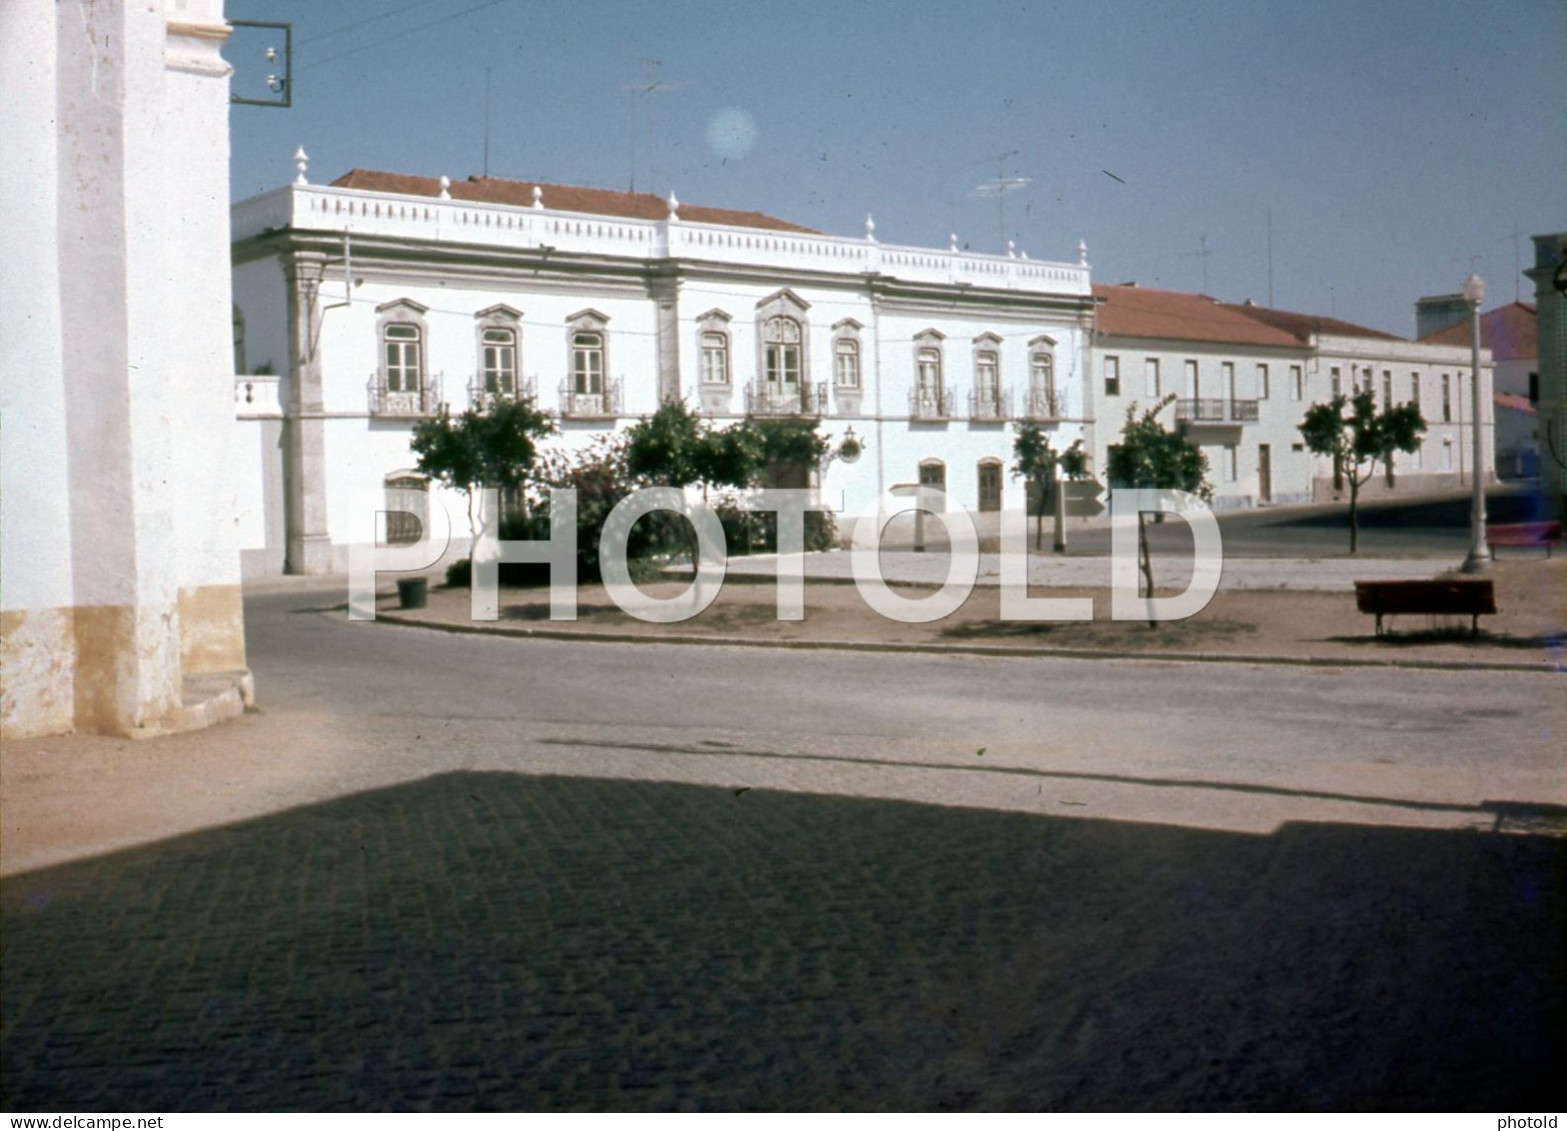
pixel 1528 534
pixel 1470 597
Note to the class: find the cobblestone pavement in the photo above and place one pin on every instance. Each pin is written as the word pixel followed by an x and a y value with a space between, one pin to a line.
pixel 488 940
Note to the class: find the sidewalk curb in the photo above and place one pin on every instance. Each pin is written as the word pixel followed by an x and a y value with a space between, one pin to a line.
pixel 482 628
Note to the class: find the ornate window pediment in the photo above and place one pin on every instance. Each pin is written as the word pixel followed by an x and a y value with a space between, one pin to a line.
pixel 783 301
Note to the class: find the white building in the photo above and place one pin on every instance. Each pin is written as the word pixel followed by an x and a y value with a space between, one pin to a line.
pixel 362 306
pixel 1549 275
pixel 1510 334
pixel 1244 376
pixel 119 588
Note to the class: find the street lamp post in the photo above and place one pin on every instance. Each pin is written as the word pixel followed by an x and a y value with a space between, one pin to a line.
pixel 1479 559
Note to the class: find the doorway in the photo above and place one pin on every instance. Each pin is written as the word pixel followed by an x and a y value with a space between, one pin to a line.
pixel 1264 473
pixel 933 474
pixel 989 486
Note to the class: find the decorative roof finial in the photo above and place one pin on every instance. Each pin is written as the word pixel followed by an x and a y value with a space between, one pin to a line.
pixel 1012 249
pixel 1082 253
pixel 301 163
pixel 538 196
pixel 674 206
pixel 952 241
pixel 870 227
pixel 446 188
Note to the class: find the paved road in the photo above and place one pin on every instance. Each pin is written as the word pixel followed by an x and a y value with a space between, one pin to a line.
pixel 533 874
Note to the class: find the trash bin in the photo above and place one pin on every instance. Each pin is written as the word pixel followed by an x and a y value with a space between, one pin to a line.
pixel 412 591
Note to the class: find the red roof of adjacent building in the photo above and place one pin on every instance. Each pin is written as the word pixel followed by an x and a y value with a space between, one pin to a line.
pixel 563 198
pixel 1140 312
pixel 1509 332
pixel 1303 326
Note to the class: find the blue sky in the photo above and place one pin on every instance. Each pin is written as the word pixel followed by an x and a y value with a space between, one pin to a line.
pixel 1394 143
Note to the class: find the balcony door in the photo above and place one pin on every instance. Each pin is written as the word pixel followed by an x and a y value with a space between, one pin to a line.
pixel 781 361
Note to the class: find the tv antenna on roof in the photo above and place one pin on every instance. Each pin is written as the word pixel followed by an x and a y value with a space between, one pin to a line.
pixel 1203 252
pixel 643 91
pixel 998 187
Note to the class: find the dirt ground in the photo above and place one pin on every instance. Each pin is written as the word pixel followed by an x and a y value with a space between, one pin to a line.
pixel 1529 628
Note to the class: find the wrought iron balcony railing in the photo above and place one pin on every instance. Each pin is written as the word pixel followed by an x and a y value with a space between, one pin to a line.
pixel 990 404
pixel 1043 404
pixel 930 404
pixel 1200 409
pixel 1215 410
pixel 425 401
pixel 1244 412
pixel 769 398
pixel 577 405
pixel 485 389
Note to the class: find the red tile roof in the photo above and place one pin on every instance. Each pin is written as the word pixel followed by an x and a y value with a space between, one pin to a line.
pixel 1303 326
pixel 1515 401
pixel 564 198
pixel 1509 332
pixel 1139 312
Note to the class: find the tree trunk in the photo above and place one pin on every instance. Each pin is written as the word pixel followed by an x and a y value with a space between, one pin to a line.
pixel 1146 560
pixel 1354 518
pixel 473 533
pixel 1039 513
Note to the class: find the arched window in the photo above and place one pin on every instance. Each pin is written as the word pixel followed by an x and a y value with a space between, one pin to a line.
pixel 498 360
pixel 1042 371
pixel 987 373
pixel 715 357
pixel 929 360
pixel 499 373
pixel 989 484
pixel 1043 400
pixel 407 508
pixel 781 355
pixel 404 353
pixel 846 363
pixel 933 474
pixel 587 362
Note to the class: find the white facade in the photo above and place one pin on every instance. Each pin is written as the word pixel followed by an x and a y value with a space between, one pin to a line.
pixel 121 571
pixel 1243 403
pixel 678 309
pixel 1549 275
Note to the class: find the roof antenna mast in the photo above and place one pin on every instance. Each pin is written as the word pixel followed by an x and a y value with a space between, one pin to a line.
pixel 1203 252
pixel 998 187
pixel 643 90
pixel 486 122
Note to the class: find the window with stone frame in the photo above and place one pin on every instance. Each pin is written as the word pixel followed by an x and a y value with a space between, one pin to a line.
pixel 928 360
pixel 403 354
pixel 1042 369
pixel 498 360
pixel 987 373
pixel 782 356
pixel 715 357
pixel 846 363
pixel 407 508
pixel 587 362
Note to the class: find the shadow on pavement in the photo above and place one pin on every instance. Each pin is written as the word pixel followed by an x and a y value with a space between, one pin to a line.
pixel 1508 505
pixel 1459 636
pixel 498 941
